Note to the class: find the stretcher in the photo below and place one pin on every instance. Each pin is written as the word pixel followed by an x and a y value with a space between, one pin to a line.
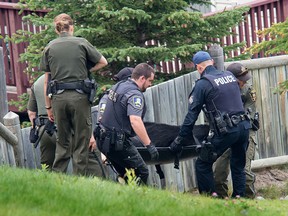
pixel 162 135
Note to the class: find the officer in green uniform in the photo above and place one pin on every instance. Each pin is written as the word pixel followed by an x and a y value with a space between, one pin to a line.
pixel 38 115
pixel 222 165
pixel 36 110
pixel 65 59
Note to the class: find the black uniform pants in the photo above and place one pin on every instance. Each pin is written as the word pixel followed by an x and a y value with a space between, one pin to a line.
pixel 128 157
pixel 237 141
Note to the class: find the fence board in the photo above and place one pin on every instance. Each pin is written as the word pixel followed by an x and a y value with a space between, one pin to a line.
pixel 32 155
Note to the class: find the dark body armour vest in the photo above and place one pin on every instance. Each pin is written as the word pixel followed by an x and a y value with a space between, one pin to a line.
pixel 228 96
pixel 115 114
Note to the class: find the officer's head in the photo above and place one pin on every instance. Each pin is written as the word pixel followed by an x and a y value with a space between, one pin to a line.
pixel 123 74
pixel 240 72
pixel 143 75
pixel 63 23
pixel 201 60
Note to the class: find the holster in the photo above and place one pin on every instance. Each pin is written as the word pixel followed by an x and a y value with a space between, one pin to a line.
pixel 90 88
pixel 207 152
pixel 111 139
pixel 33 137
pixel 34 134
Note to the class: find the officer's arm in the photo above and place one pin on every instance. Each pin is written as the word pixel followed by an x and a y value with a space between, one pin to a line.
pixel 47 99
pixel 195 105
pixel 32 106
pixel 32 116
pixel 139 128
pixel 100 64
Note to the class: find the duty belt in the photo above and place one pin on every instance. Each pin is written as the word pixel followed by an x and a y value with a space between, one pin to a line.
pixel 41 121
pixel 236 119
pixel 69 85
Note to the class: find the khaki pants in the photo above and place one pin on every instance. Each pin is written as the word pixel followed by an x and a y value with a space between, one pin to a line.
pixel 72 114
pixel 222 170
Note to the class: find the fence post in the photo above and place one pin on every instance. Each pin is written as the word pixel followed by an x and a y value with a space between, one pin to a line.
pixel 216 52
pixel 12 122
pixel 3 92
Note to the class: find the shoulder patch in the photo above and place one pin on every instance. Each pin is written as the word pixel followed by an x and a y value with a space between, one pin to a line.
pixel 137 102
pixel 191 99
pixel 252 94
pixel 102 107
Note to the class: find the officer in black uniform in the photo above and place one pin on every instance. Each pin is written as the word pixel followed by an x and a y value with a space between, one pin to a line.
pixel 218 94
pixel 122 119
pixel 122 75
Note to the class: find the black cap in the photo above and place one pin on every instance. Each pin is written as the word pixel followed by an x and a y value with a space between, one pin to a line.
pixel 239 71
pixel 123 74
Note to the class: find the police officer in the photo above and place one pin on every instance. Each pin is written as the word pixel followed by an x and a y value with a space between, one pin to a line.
pixel 66 59
pixel 218 94
pixel 222 165
pixel 122 75
pixel 38 118
pixel 36 110
pixel 122 119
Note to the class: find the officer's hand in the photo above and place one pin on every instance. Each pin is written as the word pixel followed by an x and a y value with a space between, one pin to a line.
pixel 153 151
pixel 176 145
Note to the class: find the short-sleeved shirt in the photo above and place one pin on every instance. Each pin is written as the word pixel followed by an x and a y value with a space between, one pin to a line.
pixel 67 57
pixel 128 100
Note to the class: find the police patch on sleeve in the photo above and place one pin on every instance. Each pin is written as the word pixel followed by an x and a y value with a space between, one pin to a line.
pixel 191 99
pixel 102 107
pixel 252 94
pixel 137 102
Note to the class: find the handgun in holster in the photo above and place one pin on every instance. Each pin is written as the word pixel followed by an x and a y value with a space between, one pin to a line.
pixel 221 124
pixel 120 138
pixel 34 133
pixel 51 88
pixel 89 87
pixel 207 152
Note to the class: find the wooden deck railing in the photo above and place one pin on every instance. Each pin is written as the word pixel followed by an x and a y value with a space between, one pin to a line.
pixel 263 14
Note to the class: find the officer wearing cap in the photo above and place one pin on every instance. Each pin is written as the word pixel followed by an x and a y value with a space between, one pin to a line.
pixel 218 94
pixel 122 75
pixel 122 119
pixel 65 59
pixel 222 165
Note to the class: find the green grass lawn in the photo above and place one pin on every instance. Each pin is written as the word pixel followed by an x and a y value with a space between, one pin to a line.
pixel 35 192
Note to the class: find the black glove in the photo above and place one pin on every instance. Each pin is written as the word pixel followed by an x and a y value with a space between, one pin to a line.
pixel 153 151
pixel 176 145
pixel 255 122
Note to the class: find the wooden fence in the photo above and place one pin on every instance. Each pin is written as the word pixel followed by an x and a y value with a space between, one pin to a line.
pixel 168 103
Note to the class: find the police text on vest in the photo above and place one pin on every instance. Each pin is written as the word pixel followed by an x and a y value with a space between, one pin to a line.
pixel 225 80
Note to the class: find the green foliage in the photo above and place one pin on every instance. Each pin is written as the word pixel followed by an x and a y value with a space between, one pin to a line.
pixel 21 103
pixel 132 179
pixel 277 44
pixel 282 87
pixel 44 167
pixel 122 30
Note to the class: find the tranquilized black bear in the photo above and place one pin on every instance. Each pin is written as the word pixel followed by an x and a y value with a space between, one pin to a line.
pixel 162 135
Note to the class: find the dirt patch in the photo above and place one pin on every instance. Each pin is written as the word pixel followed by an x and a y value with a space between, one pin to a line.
pixel 269 177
